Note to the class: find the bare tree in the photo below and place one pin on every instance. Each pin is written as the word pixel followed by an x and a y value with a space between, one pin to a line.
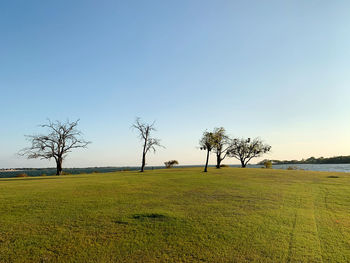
pixel 207 143
pixel 61 139
pixel 145 133
pixel 222 145
pixel 247 149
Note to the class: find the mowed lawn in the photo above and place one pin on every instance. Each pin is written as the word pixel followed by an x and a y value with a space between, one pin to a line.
pixel 177 215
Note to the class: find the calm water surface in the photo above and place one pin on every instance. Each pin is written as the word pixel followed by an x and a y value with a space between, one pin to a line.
pixel 317 167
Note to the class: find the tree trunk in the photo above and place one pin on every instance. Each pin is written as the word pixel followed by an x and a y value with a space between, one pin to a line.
pixel 144 156
pixel 218 161
pixel 243 164
pixel 206 163
pixel 59 166
pixel 143 162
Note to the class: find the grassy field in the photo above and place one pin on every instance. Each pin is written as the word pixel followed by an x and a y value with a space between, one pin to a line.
pixel 177 215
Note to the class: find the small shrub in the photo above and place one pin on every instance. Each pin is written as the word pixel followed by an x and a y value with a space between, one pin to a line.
pixel 43 175
pixel 224 165
pixel 292 168
pixel 22 175
pixel 170 164
pixel 65 173
pixel 268 164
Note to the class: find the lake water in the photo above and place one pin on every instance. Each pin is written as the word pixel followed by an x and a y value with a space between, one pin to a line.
pixel 314 167
pixel 52 171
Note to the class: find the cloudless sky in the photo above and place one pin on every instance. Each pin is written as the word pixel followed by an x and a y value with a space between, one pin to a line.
pixel 274 69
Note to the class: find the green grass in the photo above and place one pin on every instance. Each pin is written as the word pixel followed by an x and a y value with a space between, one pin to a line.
pixel 177 215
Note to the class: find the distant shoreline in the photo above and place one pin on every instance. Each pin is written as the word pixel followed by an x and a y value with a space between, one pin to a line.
pixel 312 160
pixel 11 170
pixel 274 162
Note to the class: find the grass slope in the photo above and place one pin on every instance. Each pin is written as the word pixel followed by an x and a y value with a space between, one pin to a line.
pixel 177 215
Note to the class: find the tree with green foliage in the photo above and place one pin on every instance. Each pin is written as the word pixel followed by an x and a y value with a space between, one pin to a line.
pixel 222 144
pixel 145 133
pixel 207 143
pixel 170 164
pixel 246 149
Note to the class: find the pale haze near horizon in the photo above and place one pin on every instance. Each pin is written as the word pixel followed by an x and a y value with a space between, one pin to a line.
pixel 277 70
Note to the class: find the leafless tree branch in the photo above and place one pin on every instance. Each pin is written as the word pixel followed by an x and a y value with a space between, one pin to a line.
pixel 145 134
pixel 61 139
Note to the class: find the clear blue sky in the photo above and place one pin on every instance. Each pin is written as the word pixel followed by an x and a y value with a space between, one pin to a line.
pixel 274 69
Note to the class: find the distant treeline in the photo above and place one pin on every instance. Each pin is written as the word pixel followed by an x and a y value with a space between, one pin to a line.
pixel 313 160
pixel 8 173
